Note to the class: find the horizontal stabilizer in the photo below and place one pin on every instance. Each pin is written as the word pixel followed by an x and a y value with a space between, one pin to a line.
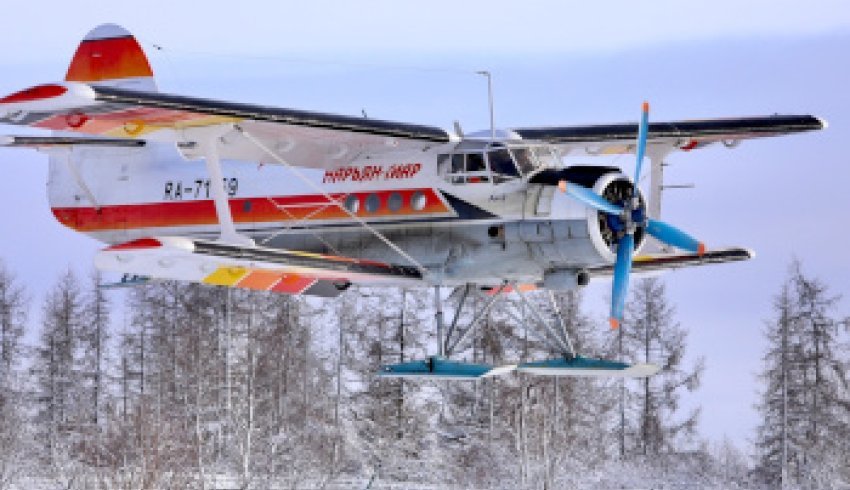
pixel 439 368
pixel 585 366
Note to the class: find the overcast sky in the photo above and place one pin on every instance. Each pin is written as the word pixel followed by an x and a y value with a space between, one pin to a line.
pixel 553 63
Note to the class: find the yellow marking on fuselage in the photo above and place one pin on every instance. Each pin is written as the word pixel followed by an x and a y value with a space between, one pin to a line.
pixel 226 276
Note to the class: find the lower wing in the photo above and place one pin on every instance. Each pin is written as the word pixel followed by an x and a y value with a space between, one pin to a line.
pixel 666 261
pixel 257 268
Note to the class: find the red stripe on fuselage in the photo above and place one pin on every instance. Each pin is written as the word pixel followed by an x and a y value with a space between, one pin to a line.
pixel 245 211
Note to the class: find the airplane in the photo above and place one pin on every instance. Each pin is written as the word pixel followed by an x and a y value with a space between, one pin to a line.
pixel 307 203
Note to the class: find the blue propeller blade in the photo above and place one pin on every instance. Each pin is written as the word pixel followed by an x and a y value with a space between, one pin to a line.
pixel 641 141
pixel 589 198
pixel 671 235
pixel 622 267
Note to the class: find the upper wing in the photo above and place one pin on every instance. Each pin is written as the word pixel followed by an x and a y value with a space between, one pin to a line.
pixel 309 139
pixel 681 135
pixel 258 268
pixel 313 139
pixel 665 261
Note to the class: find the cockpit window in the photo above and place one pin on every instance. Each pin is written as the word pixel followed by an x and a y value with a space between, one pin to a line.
pixel 475 162
pixel 466 168
pixel 523 159
pixel 502 163
pixel 457 163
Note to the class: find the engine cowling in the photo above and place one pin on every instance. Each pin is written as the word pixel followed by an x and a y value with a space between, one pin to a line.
pixel 606 230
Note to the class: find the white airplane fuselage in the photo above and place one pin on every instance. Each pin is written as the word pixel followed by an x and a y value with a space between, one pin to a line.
pixel 463 226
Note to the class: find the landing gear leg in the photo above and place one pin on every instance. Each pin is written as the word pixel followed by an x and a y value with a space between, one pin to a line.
pixel 438 317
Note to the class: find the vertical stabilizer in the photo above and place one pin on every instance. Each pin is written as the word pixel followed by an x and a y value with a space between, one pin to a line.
pixel 109 55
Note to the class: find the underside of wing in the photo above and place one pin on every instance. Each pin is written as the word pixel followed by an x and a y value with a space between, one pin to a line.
pixel 303 138
pixel 54 141
pixel 677 135
pixel 249 267
pixel 667 261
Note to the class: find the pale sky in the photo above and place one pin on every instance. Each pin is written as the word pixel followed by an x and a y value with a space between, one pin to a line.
pixel 553 63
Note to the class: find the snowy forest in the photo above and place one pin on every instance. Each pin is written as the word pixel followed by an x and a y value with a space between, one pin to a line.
pixel 172 385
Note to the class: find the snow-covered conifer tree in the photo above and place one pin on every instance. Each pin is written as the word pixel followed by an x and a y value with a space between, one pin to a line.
pixel 655 423
pixel 805 402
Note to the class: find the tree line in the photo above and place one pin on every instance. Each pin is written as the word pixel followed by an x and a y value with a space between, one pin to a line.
pixel 181 385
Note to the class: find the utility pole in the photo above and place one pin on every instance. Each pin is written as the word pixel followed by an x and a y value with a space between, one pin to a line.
pixel 490 101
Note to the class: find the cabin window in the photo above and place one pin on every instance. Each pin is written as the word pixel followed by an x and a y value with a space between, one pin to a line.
pixel 373 202
pixel 352 203
pixel 418 201
pixel 395 202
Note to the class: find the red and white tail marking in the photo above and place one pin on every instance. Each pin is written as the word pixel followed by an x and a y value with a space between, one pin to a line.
pixel 110 55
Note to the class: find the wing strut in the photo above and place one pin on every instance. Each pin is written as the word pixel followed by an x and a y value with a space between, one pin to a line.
pixel 208 140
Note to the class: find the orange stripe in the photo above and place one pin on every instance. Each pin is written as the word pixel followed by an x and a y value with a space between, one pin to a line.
pixel 293 284
pixel 509 289
pixel 108 59
pixel 260 280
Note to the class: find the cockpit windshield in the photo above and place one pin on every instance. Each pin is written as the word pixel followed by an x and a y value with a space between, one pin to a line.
pixel 522 156
pixel 501 165
pixel 496 162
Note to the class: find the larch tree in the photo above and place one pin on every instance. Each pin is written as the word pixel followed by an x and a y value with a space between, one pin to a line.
pixel 57 379
pixel 94 338
pixel 654 422
pixel 805 402
pixel 13 317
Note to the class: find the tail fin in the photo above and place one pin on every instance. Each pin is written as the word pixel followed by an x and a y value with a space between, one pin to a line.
pixel 110 55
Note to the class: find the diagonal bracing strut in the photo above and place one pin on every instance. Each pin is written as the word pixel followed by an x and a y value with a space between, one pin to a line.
pixel 564 345
pixel 259 144
pixel 463 335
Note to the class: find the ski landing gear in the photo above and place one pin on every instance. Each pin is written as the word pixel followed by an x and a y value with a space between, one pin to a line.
pixel 553 333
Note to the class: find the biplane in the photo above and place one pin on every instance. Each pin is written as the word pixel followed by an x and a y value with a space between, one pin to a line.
pixel 298 202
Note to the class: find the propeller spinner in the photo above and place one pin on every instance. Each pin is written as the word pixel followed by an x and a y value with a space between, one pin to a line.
pixel 627 216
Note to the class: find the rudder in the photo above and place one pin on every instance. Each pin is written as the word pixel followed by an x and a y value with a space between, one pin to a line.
pixel 110 55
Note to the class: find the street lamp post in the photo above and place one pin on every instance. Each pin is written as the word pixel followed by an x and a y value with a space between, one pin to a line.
pixel 490 101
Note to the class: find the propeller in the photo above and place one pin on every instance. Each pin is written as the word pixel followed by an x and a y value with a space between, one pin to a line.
pixel 628 216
